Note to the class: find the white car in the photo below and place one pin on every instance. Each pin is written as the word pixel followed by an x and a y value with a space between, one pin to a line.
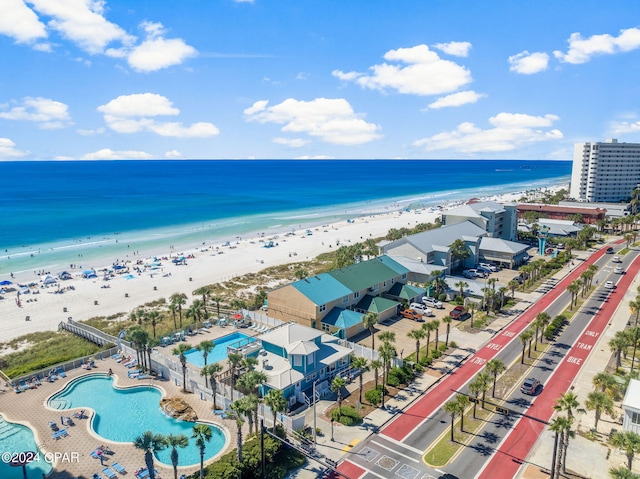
pixel 421 308
pixel 432 302
pixel 618 270
pixel 609 285
pixel 488 266
pixel 616 259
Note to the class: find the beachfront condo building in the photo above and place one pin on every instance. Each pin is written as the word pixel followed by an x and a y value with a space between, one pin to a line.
pixel 498 220
pixel 605 171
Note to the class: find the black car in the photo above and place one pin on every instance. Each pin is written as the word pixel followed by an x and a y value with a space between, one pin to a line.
pixel 530 386
pixel 609 250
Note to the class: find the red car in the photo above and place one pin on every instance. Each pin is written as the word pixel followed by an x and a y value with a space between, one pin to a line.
pixel 458 312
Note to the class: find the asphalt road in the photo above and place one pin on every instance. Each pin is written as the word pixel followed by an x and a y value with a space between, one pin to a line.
pixel 397 450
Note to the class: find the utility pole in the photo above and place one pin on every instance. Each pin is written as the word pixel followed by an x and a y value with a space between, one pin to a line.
pixel 264 474
pixel 315 438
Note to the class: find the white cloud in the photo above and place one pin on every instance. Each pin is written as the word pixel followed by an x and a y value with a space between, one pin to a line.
pixel 134 113
pixel 315 157
pixel 109 154
pixel 529 63
pixel 581 50
pixel 156 52
pixel 623 127
pixel 423 73
pixel 89 132
pixel 457 99
pixel 172 154
pixel 9 151
pixel 82 22
pixel 457 49
pixel 331 120
pixel 48 114
pixel 20 22
pixel 511 131
pixel 291 142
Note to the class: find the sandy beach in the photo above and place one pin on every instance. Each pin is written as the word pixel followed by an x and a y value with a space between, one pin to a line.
pixel 206 264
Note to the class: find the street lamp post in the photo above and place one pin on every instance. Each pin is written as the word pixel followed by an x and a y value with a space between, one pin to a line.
pixel 332 420
pixel 315 438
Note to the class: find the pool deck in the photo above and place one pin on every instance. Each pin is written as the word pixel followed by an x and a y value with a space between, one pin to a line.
pixel 29 408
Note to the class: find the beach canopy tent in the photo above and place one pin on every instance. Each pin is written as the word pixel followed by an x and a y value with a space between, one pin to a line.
pixel 64 275
pixel 88 274
pixel 5 282
pixel 48 279
pixel 119 266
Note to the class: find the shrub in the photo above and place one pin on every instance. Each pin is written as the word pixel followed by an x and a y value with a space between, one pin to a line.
pixel 442 347
pixel 425 361
pixel 435 354
pixel 442 297
pixel 349 416
pixel 393 380
pixel 453 344
pixel 374 396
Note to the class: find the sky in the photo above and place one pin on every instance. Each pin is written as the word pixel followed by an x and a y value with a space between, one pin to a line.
pixel 310 79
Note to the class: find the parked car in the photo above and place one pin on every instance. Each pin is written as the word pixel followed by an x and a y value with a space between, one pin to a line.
pixel 432 302
pixel 481 269
pixel 616 259
pixel 411 314
pixel 618 270
pixel 421 308
pixel 609 285
pixel 472 273
pixel 458 312
pixel 489 266
pixel 530 386
pixel 560 246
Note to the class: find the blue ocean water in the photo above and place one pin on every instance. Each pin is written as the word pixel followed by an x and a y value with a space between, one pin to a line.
pixel 70 208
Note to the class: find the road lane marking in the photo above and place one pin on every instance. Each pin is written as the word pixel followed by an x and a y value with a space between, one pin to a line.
pixel 401 444
pixel 394 451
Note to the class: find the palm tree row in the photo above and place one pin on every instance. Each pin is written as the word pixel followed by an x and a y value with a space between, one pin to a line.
pixel 151 443
pixel 424 331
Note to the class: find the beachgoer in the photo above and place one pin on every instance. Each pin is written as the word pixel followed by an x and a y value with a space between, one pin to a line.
pixel 110 372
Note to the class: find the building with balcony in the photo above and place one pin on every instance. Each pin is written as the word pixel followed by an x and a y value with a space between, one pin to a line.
pixel 498 220
pixel 605 171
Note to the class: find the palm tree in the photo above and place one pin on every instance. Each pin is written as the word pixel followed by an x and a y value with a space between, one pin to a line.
pixel 202 435
pixel 173 308
pixel 387 352
pixel 362 365
pixel 387 337
pixel 217 299
pixel 573 288
pixel 336 386
pixel 150 443
pixel 561 425
pixel 503 292
pixel 369 321
pixel 447 320
pixel 204 291
pixel 376 364
pixel 249 403
pixel 475 388
pixel 459 252
pixel 179 351
pixel 206 347
pixel 139 337
pixel 461 285
pixel 153 316
pixel 567 402
pixel 629 442
pixel 495 367
pixel 513 285
pixel 452 407
pixel 179 299
pixel 251 383
pixel 234 360
pixel 277 403
pixel 483 380
pixel 543 320
pixel 212 371
pixel 607 384
pixel 619 344
pixel 622 472
pixel 435 325
pixel 174 441
pixel 417 335
pixel 427 327
pixel 238 410
pixel 634 306
pixel 525 337
pixel 462 401
pixel 599 402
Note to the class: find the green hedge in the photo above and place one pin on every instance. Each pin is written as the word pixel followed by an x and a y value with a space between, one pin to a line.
pixel 349 417
pixel 374 396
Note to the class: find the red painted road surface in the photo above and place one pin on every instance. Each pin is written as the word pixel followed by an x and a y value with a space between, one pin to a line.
pixel 524 435
pixel 405 423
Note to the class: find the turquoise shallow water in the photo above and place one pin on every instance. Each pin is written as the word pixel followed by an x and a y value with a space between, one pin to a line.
pixel 15 438
pixel 53 214
pixel 124 414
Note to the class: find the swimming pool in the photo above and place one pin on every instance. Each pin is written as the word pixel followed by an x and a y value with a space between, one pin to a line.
pixel 124 414
pixel 219 352
pixel 15 438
